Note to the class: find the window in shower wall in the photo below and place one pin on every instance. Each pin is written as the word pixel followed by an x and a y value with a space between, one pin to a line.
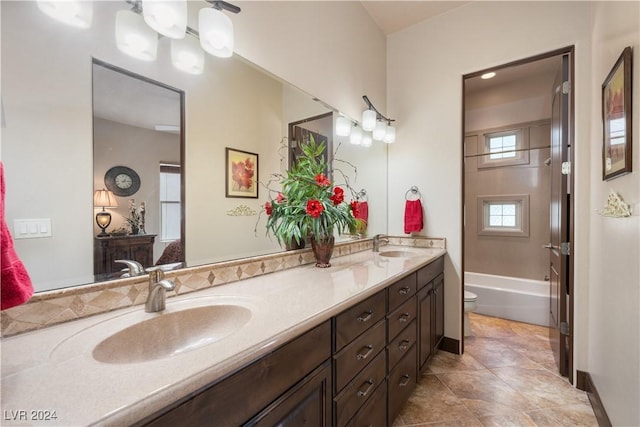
pixel 505 148
pixel 506 215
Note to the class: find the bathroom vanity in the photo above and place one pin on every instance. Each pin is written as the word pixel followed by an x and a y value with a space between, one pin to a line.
pixel 337 346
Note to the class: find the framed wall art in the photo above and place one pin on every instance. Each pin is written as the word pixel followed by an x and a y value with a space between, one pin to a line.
pixel 241 179
pixel 616 118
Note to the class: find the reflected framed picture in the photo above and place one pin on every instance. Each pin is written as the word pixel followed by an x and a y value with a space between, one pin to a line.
pixel 241 178
pixel 616 119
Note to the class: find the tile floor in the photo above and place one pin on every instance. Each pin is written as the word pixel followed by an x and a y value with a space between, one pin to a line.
pixel 507 377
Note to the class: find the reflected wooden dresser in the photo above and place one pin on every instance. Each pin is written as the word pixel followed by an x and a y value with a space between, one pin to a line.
pixel 136 247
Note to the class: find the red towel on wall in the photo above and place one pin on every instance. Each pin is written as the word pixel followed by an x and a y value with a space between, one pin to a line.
pixel 15 283
pixel 412 216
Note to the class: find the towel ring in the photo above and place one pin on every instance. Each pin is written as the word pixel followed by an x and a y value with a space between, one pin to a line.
pixel 361 195
pixel 413 191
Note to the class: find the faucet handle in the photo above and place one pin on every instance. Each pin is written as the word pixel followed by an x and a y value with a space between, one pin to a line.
pixel 134 268
pixel 155 275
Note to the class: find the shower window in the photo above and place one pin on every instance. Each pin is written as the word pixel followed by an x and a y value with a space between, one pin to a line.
pixel 505 148
pixel 506 215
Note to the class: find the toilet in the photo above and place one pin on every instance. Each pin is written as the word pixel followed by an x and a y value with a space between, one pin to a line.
pixel 470 304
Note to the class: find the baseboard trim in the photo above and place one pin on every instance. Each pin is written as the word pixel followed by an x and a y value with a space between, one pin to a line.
pixel 450 345
pixel 585 383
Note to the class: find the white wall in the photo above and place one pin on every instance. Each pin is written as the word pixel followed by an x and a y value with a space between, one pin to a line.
pixel 614 273
pixel 425 66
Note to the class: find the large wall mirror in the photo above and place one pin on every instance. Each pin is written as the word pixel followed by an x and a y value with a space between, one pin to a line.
pixel 52 166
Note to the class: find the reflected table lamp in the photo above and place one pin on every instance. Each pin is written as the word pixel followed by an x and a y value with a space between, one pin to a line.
pixel 104 199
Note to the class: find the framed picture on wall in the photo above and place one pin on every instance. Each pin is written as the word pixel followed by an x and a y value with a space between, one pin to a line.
pixel 241 179
pixel 616 119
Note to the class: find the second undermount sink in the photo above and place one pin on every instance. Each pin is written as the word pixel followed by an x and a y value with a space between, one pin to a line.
pixel 398 254
pixel 172 333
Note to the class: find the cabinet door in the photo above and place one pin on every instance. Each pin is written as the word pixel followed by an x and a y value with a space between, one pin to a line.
pixel 438 290
pixel 425 343
pixel 306 404
pixel 402 381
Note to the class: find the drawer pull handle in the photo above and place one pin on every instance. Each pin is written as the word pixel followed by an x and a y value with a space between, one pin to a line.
pixel 404 344
pixel 404 291
pixel 404 318
pixel 369 384
pixel 366 316
pixel 404 380
pixel 364 354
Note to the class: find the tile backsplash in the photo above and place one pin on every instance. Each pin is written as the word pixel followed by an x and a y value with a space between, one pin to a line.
pixel 50 308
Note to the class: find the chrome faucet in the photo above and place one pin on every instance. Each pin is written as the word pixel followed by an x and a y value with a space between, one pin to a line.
pixel 158 287
pixel 134 268
pixel 377 239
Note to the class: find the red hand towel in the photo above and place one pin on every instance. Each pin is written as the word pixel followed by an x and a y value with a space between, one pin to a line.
pixel 412 216
pixel 15 284
pixel 363 211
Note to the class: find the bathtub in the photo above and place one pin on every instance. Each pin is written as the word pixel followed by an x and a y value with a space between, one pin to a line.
pixel 511 298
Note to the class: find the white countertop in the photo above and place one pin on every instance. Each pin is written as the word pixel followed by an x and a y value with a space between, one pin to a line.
pixel 53 369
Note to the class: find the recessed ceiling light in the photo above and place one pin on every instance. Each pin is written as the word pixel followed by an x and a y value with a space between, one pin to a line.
pixel 486 76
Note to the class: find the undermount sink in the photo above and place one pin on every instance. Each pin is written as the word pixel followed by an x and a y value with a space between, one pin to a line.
pixel 398 254
pixel 171 333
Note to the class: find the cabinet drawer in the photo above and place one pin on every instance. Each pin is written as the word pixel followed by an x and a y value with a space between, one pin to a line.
pixel 402 381
pixel 401 345
pixel 358 319
pixel 401 291
pixel 401 317
pixel 358 391
pixel 429 272
pixel 374 412
pixel 358 354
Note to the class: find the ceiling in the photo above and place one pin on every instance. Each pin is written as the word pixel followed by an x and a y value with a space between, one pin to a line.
pixel 392 16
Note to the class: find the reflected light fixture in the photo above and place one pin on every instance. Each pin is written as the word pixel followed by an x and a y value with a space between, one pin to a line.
pixel 104 199
pixel 74 13
pixel 486 76
pixel 390 134
pixel 168 17
pixel 343 126
pixel 368 120
pixel 134 37
pixel 366 139
pixel 355 137
pixel 187 56
pixel 379 131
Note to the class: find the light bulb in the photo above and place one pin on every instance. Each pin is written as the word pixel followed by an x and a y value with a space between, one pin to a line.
pixel 368 120
pixel 366 139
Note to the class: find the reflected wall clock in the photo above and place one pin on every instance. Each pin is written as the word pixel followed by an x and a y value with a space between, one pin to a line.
pixel 123 181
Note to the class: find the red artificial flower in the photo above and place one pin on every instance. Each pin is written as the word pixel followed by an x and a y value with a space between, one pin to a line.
pixel 338 196
pixel 267 208
pixel 314 208
pixel 280 197
pixel 322 180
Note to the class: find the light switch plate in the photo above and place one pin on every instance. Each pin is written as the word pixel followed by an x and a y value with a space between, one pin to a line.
pixel 32 228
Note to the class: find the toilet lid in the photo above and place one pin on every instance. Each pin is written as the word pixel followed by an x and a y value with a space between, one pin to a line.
pixel 470 296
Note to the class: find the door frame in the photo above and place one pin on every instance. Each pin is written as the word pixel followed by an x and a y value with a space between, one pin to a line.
pixel 570 50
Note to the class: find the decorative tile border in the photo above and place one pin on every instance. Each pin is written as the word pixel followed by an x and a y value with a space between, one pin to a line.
pixel 50 308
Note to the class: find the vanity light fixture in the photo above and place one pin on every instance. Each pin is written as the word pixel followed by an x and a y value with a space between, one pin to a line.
pixel 368 120
pixel 134 37
pixel 187 56
pixel 216 28
pixel 355 137
pixel 343 126
pixel 367 140
pixel 104 199
pixel 382 128
pixel 74 13
pixel 168 18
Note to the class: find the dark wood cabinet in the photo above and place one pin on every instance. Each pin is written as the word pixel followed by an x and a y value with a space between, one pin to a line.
pixel 438 310
pixel 137 247
pixel 425 344
pixel 430 310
